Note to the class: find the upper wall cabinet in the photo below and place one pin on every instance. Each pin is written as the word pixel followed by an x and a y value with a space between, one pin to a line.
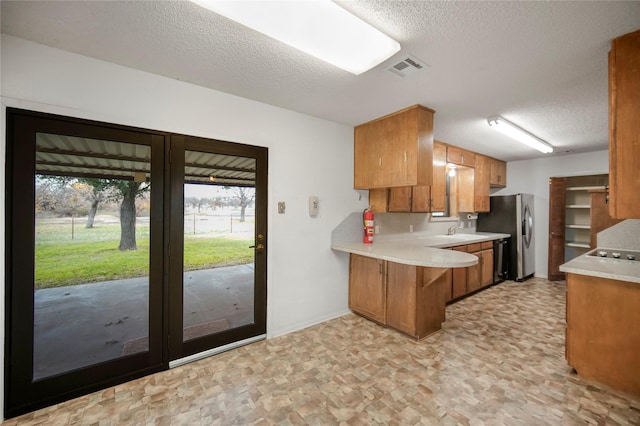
pixel 395 150
pixel 624 126
pixel 498 174
pixel 461 157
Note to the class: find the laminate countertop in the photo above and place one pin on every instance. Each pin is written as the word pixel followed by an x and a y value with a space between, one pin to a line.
pixel 613 269
pixel 428 251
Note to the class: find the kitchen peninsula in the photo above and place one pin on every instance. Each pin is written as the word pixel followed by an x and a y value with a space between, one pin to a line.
pixel 405 283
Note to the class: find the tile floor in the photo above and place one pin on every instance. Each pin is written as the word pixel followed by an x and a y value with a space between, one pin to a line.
pixel 499 360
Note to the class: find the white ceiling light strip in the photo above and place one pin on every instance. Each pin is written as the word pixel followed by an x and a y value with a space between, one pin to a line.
pixel 518 133
pixel 318 27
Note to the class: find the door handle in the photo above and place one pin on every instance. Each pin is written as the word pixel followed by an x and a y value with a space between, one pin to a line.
pixel 258 247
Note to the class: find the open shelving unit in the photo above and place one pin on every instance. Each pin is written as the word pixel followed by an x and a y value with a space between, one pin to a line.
pixel 578 212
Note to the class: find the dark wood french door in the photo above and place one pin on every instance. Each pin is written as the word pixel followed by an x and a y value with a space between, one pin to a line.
pixel 110 273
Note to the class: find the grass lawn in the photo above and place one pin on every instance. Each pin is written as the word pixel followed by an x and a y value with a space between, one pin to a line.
pixel 93 254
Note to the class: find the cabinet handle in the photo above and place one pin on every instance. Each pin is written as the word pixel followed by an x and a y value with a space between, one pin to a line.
pixel 405 156
pixel 379 161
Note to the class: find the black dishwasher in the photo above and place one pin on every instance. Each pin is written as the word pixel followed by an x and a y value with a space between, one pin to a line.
pixel 501 259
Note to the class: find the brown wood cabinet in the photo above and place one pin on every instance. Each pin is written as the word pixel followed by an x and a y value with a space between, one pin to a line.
pixel 472 278
pixel 416 298
pixel 460 156
pixel 395 150
pixel 481 183
pixel 602 334
pixel 368 287
pixel 459 278
pixel 407 298
pixel 600 218
pixel 498 173
pixel 464 189
pixel 624 126
pixel 416 199
pixel 439 185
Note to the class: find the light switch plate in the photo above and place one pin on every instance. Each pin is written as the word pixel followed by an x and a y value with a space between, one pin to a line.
pixel 281 207
pixel 314 206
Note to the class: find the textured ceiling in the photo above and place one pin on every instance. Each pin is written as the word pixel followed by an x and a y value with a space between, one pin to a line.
pixel 542 65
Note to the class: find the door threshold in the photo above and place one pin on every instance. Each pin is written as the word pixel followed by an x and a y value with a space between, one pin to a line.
pixel 215 351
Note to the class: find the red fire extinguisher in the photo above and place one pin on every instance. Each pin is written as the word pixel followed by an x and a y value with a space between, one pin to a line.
pixel 367 217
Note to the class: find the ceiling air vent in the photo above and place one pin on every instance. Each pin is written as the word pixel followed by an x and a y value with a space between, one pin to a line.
pixel 407 66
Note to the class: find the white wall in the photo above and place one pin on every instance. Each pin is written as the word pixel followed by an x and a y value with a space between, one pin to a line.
pixel 532 177
pixel 307 281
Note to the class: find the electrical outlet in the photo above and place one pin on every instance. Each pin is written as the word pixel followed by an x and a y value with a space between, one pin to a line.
pixel 410 228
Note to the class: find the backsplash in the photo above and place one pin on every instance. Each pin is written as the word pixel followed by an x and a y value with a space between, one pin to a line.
pixel 624 235
pixel 390 226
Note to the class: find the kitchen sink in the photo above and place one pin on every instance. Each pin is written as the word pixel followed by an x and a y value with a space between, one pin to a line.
pixel 448 240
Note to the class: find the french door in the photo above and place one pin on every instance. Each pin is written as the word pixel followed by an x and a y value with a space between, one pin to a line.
pixel 112 271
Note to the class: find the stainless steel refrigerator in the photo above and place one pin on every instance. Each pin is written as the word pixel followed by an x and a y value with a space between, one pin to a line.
pixel 513 215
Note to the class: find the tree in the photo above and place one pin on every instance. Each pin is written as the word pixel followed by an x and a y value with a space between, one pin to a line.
pixel 123 190
pixel 129 191
pixel 96 191
pixel 245 197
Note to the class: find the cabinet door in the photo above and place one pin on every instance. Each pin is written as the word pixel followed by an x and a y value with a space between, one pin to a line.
pixel 486 259
pixel 395 150
pixel 378 200
pixel 367 287
pixel 481 183
pixel 400 199
pixel 557 205
pixel 421 199
pixel 600 219
pixel 498 175
pixel 465 187
pixel 431 294
pixel 624 126
pixel 460 156
pixel 439 186
pixel 459 278
pixel 401 297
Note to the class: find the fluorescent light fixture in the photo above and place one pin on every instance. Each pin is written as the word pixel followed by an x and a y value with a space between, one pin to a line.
pixel 518 133
pixel 318 27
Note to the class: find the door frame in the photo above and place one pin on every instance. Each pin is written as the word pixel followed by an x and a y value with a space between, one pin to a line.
pixel 20 395
pixel 178 349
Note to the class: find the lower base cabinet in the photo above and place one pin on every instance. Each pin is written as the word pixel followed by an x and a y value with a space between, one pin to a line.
pixel 603 332
pixel 410 299
pixel 467 280
pixel 368 287
pixel 416 298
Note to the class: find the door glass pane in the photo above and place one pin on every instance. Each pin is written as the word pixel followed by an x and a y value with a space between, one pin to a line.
pixel 219 230
pixel 91 292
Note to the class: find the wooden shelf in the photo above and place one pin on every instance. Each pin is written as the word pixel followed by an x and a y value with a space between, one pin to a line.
pixel 579 226
pixel 578 245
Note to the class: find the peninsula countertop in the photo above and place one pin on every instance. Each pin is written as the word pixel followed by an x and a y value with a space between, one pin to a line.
pixel 428 251
pixel 613 269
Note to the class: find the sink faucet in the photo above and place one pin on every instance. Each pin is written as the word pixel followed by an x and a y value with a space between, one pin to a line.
pixel 453 229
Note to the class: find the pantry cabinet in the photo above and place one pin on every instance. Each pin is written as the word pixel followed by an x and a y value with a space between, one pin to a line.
pixel 395 150
pixel 624 126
